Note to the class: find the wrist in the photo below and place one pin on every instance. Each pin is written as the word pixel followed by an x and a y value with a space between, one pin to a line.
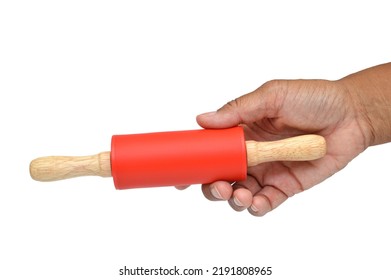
pixel 370 91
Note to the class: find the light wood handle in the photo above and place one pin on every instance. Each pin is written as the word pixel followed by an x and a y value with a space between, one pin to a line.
pixel 299 148
pixel 59 167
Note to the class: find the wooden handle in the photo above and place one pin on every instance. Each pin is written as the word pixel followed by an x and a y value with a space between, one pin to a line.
pixel 300 148
pixel 59 167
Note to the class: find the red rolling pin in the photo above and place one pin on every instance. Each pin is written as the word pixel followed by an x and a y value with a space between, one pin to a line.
pixel 178 158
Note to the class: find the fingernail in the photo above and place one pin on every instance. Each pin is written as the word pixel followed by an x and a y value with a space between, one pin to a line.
pixel 215 192
pixel 237 202
pixel 255 209
pixel 208 114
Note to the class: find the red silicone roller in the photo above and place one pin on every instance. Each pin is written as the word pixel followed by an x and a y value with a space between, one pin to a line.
pixel 178 158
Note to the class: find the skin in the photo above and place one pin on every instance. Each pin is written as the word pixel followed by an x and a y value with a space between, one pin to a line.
pixel 352 114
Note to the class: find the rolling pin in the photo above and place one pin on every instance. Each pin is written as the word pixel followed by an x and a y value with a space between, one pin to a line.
pixel 178 158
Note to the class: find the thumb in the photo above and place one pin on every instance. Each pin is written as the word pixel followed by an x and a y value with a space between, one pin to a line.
pixel 261 103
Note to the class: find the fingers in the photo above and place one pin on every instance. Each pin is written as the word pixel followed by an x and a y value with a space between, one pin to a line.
pixel 223 191
pixel 219 190
pixel 266 200
pixel 241 199
pixel 263 102
pixel 258 203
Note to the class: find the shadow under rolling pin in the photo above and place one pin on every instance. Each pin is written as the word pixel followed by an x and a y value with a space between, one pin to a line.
pixel 178 158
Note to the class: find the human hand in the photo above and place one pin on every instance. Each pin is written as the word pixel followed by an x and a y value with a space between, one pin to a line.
pixel 352 114
pixel 281 109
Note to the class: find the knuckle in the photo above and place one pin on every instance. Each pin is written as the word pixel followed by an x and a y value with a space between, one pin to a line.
pixel 273 85
pixel 231 105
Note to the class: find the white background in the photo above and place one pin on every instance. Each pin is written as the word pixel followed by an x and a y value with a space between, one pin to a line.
pixel 73 73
